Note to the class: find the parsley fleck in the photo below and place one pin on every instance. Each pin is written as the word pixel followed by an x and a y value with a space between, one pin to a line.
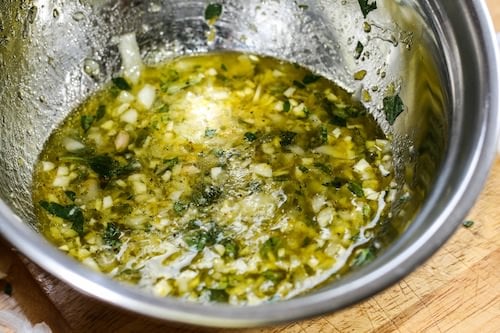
pixel 286 106
pixel 364 257
pixel 270 246
pixel 393 107
pixel 213 11
pixel 121 83
pixel 180 207
pixel 356 188
pixel 218 295
pixel 299 84
pixel 71 195
pixel 86 122
pixel 287 138
pixel 111 236
pixel 250 137
pixel 468 223
pixel 310 78
pixel 274 275
pixel 367 6
pixel 71 213
pixel 210 132
pixel 101 111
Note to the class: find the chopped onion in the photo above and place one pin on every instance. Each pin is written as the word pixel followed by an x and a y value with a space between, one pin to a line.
pixel 130 116
pixel 325 216
pixel 262 169
pixel 107 202
pixel 125 97
pixel 289 92
pixel 72 145
pixel 131 57
pixel 147 96
pixel 48 166
pixel 122 140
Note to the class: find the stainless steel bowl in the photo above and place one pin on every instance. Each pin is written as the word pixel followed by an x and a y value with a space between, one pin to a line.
pixel 440 57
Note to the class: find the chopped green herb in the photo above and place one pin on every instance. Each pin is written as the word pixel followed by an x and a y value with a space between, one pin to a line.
pixel 324 135
pixel 231 248
pixel 210 132
pixel 7 289
pixel 393 107
pixel 356 188
pixel 310 78
pixel 180 207
pixel 86 122
pixel 213 11
pixel 337 182
pixel 286 106
pixel 274 275
pixel 103 165
pixel 164 108
pixel 287 138
pixel 270 246
pixel 111 236
pixel 167 165
pixel 468 223
pixel 71 195
pixel 100 113
pixel 121 83
pixel 303 7
pixel 223 67
pixel 363 257
pixel 359 50
pixel 299 84
pixel 142 135
pixel 71 213
pixel 250 137
pixel 303 169
pixel 206 195
pixel 218 295
pixel 199 238
pixel 323 167
pixel 367 6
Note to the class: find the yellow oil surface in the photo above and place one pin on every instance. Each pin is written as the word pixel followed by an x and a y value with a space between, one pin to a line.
pixel 224 177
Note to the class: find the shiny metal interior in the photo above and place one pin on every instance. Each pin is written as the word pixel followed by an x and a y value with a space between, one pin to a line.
pixel 438 56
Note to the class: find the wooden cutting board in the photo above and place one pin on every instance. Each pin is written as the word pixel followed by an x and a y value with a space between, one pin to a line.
pixel 457 290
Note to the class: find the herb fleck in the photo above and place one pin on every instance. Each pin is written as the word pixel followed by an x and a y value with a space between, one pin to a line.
pixel 367 6
pixel 286 106
pixel 356 188
pixel 310 78
pixel 393 107
pixel 213 11
pixel 468 223
pixel 121 83
pixel 364 257
pixel 210 132
pixel 218 295
pixel 71 213
pixel 287 138
pixel 250 137
pixel 111 236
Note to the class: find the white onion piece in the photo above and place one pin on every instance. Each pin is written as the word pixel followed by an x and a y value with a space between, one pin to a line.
pixel 147 96
pixel 72 145
pixel 131 57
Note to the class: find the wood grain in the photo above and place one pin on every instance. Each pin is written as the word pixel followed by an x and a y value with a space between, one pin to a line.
pixel 457 290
